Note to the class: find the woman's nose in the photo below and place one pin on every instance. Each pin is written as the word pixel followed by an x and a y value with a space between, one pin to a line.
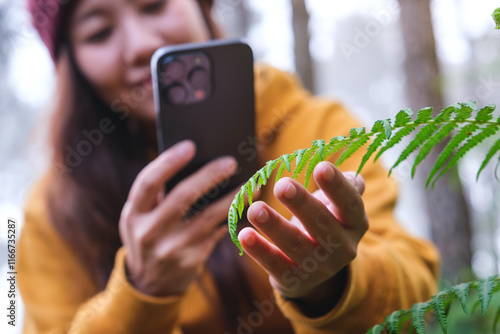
pixel 141 41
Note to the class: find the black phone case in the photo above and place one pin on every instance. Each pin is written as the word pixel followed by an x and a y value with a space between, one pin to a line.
pixel 223 124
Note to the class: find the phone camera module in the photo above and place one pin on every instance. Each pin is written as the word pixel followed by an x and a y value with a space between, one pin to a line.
pixel 176 94
pixel 198 77
pixel 173 70
pixel 186 78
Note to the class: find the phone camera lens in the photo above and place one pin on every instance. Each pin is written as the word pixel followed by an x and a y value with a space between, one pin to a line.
pixel 175 69
pixel 198 77
pixel 176 94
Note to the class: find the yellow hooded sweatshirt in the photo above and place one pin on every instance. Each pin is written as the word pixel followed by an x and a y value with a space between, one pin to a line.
pixel 392 270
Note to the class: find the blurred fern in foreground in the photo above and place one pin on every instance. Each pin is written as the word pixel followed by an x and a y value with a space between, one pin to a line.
pixel 463 123
pixel 440 304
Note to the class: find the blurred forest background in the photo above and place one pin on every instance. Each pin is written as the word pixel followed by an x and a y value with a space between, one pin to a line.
pixel 376 56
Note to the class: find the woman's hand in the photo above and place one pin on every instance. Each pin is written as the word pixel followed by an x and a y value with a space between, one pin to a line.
pixel 164 250
pixel 305 256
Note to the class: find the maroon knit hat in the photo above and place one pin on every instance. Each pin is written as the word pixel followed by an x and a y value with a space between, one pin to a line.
pixel 48 18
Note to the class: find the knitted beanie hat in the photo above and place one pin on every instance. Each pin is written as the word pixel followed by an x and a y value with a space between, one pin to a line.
pixel 49 19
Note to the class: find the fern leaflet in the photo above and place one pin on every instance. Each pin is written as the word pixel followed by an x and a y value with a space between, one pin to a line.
pixel 439 311
pixel 494 149
pixel 396 139
pixel 353 147
pixel 372 149
pixel 485 289
pixel 303 162
pixel 392 321
pixel 436 138
pixel 316 159
pixel 485 114
pixel 449 148
pixel 403 117
pixel 488 131
pixel 424 115
pixel 418 313
pixel 462 292
pixel 420 138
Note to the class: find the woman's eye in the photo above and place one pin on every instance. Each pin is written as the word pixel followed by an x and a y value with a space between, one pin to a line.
pixel 154 7
pixel 99 36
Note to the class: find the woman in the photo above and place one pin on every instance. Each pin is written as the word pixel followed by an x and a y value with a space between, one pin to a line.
pixel 103 251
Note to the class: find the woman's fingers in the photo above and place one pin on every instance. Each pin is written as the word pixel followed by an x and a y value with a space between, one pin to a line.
pixel 267 255
pixel 345 194
pixel 356 180
pixel 211 176
pixel 310 211
pixel 144 191
pixel 286 236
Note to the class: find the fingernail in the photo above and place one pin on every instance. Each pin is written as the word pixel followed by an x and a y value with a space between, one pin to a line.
pixel 290 191
pixel 328 173
pixel 250 239
pixel 262 217
pixel 228 164
pixel 184 148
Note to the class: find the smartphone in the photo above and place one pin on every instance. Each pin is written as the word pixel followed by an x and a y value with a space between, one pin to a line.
pixel 205 92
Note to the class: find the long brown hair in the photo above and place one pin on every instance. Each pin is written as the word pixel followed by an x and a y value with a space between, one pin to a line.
pixel 94 173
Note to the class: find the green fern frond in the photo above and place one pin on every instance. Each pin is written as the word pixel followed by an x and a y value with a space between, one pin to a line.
pixel 353 147
pixel 439 310
pixel 280 171
pixel 464 110
pixel 336 144
pixel 250 190
pixel 392 321
pixel 232 216
pixel 440 304
pixel 299 154
pixel 462 292
pixel 406 131
pixel 270 165
pixel 486 132
pixel 403 117
pixel 286 159
pixel 446 114
pixel 385 125
pixel 303 162
pixel 316 159
pixel 420 138
pixel 431 132
pixel 378 329
pixel 262 177
pixel 494 149
pixel 449 148
pixel 435 139
pixel 418 312
pixel 372 149
pixel 241 202
pixel 496 18
pixel 424 115
pixel 485 289
pixel 485 114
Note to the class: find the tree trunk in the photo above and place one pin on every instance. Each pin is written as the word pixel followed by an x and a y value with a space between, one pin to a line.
pixel 303 62
pixel 446 206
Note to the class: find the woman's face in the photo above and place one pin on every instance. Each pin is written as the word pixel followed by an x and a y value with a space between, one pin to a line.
pixel 113 41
